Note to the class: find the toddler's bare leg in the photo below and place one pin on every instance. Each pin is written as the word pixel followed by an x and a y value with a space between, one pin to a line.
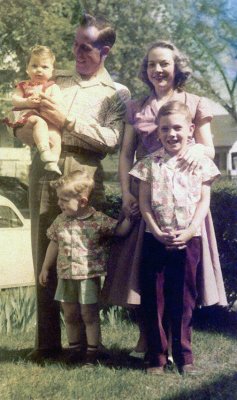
pixel 90 316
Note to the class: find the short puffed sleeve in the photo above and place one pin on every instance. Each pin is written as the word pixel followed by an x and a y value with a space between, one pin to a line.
pixel 209 170
pixel 142 169
pixel 203 111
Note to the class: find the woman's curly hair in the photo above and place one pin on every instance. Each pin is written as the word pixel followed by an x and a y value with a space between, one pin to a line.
pixel 182 69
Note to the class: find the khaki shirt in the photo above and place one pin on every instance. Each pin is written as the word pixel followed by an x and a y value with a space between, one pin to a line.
pixel 97 106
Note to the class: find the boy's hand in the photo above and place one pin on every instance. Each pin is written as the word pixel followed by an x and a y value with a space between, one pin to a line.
pixel 43 277
pixel 167 238
pixel 181 238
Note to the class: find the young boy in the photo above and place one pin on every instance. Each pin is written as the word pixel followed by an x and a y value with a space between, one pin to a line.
pixel 76 241
pixel 173 202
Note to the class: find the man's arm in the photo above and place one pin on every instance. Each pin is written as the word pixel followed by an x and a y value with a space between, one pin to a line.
pixel 96 136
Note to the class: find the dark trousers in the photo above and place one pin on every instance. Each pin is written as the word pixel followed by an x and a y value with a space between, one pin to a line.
pixel 168 297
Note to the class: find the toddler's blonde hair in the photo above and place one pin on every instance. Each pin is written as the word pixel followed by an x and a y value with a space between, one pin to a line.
pixel 81 183
pixel 41 51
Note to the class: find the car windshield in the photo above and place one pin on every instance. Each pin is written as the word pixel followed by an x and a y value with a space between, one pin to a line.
pixel 8 218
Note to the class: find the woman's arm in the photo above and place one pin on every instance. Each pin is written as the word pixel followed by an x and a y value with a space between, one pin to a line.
pixel 126 161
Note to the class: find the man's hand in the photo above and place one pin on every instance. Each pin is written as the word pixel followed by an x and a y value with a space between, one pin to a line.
pixel 52 111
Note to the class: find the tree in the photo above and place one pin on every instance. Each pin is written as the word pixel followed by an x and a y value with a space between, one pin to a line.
pixel 205 29
pixel 208 31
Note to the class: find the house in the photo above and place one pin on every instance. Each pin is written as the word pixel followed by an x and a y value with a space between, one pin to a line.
pixel 224 130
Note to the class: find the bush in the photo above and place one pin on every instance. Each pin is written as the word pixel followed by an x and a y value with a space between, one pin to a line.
pixel 224 213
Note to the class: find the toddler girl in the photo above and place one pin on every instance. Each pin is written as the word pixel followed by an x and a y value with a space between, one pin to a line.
pixel 26 101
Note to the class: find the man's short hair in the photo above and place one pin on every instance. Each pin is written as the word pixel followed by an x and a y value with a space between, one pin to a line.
pixel 107 34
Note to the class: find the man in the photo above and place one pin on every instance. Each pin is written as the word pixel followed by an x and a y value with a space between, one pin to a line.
pixel 91 124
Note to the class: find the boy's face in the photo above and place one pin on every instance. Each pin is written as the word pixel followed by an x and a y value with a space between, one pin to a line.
pixel 173 132
pixel 70 205
pixel 40 68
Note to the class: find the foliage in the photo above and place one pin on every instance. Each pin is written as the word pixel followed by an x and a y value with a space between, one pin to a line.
pixel 17 309
pixel 224 213
pixel 207 31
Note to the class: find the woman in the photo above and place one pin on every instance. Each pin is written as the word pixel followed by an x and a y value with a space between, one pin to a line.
pixel 165 71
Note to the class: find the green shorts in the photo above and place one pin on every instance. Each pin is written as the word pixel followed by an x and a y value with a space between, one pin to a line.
pixel 84 291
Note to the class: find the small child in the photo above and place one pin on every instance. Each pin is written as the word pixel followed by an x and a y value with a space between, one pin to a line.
pixel 173 202
pixel 76 241
pixel 26 101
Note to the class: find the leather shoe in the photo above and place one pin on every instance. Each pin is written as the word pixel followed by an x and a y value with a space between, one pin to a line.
pixel 188 369
pixel 40 355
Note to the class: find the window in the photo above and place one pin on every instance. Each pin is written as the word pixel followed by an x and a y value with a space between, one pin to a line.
pixel 8 219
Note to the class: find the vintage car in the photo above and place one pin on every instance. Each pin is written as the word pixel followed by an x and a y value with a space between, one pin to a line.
pixel 16 265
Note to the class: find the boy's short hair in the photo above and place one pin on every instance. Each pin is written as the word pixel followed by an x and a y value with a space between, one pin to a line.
pixel 81 183
pixel 41 51
pixel 174 107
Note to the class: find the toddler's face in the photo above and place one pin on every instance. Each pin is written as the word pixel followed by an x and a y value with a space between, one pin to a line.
pixel 173 132
pixel 69 204
pixel 40 68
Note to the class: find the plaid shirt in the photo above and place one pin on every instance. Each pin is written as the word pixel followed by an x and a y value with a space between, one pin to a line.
pixel 98 106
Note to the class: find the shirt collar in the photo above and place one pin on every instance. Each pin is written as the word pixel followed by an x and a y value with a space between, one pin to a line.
pixel 90 212
pixel 102 77
pixel 164 158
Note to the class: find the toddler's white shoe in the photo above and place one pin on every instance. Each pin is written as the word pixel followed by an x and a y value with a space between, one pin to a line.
pixel 47 156
pixel 53 167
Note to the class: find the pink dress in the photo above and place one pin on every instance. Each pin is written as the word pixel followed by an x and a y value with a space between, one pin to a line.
pixel 122 282
pixel 19 116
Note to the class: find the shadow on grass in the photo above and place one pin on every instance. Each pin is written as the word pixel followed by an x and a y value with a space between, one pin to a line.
pixel 115 358
pixel 222 388
pixel 216 318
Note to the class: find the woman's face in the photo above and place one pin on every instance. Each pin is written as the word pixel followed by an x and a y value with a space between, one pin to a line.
pixel 161 69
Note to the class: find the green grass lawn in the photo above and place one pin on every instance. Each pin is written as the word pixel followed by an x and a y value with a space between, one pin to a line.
pixel 215 351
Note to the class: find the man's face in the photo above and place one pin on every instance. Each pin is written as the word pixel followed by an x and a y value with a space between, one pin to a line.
pixel 88 57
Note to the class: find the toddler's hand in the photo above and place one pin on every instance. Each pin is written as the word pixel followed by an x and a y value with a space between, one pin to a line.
pixel 43 277
pixel 33 101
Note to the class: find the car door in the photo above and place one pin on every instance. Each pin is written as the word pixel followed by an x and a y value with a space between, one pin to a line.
pixel 16 266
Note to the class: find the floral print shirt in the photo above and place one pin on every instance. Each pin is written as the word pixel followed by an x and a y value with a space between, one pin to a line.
pixel 174 193
pixel 82 245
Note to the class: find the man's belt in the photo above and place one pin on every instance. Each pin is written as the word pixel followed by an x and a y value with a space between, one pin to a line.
pixel 79 151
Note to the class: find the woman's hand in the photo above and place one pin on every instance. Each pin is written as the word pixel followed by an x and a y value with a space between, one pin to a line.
pixel 190 158
pixel 52 111
pixel 130 206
